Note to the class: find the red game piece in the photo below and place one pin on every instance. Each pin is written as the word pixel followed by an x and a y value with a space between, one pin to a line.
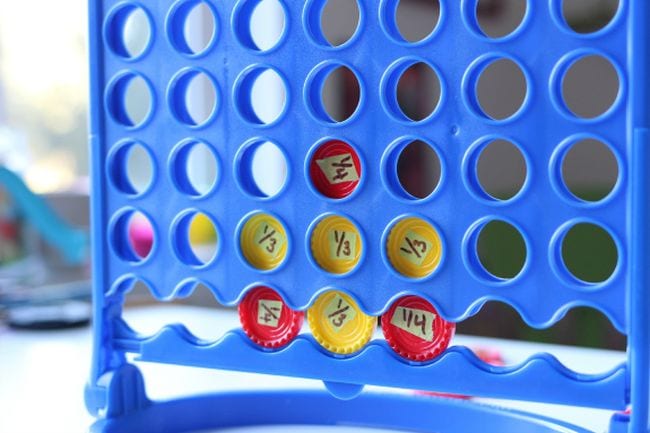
pixel 267 320
pixel 335 169
pixel 415 330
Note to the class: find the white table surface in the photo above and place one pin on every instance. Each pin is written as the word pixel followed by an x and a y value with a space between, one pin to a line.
pixel 42 374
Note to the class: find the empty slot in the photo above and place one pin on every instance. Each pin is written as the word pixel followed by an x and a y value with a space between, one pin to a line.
pixel 133 236
pixel 498 19
pixel 589 253
pixel 335 169
pixel 590 86
pixel 590 170
pixel 416 19
pixel 501 89
pixel 130 100
pixel 129 31
pixel 132 168
pixel 418 170
pixel 501 250
pixel 501 170
pixel 261 169
pixel 341 94
pixel 260 24
pixel 196 239
pixel 418 91
pixel 588 16
pixel 192 27
pixel 339 21
pixel 193 98
pixel 195 168
pixel 261 95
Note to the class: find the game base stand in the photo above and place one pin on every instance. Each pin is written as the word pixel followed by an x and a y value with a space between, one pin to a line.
pixel 343 246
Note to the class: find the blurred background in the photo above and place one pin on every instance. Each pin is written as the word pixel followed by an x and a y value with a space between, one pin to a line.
pixel 43 132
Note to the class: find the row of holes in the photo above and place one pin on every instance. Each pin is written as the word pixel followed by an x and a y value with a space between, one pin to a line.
pixel 260 25
pixel 497 252
pixel 587 89
pixel 585 170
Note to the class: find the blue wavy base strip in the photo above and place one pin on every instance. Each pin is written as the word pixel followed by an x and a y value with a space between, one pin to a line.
pixel 540 378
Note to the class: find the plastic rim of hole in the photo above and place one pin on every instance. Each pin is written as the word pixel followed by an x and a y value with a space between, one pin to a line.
pixel 557 14
pixel 114 26
pixel 243 91
pixel 471 258
pixel 413 248
pixel 471 177
pixel 116 94
pixel 335 244
pixel 388 22
pixel 469 13
pixel 177 97
pixel 241 20
pixel 185 237
pixel 557 81
pixel 313 93
pixel 559 266
pixel 119 160
pixel 179 169
pixel 243 169
pixel 556 171
pixel 130 237
pixel 389 174
pixel 266 318
pixel 338 324
pixel 388 89
pixel 263 241
pixel 312 23
pixel 177 20
pixel 471 82
pixel 334 169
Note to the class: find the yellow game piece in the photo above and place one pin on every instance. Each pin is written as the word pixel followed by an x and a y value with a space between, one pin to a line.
pixel 202 230
pixel 336 245
pixel 414 248
pixel 338 324
pixel 263 242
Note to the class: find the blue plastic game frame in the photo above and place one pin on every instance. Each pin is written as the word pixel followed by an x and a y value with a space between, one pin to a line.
pixel 543 47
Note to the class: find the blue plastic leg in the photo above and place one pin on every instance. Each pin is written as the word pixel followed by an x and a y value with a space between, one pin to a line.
pixel 386 411
pixel 620 423
pixel 120 393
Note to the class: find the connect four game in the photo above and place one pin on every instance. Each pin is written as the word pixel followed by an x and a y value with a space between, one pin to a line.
pixel 343 275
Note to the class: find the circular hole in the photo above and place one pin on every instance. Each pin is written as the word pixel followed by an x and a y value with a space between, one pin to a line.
pixel 195 168
pixel 340 94
pixel 192 27
pixel 418 91
pixel 416 19
pixel 260 24
pixel 261 95
pixel 590 86
pixel 590 170
pixel 501 250
pixel 339 21
pixel 501 89
pixel 501 170
pixel 414 248
pixel 262 169
pixel 132 169
pixel 336 245
pixel 263 242
pixel 335 169
pixel 588 16
pixel 418 169
pixel 196 239
pixel 129 31
pixel 497 19
pixel 589 253
pixel 133 236
pixel 193 98
pixel 130 100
